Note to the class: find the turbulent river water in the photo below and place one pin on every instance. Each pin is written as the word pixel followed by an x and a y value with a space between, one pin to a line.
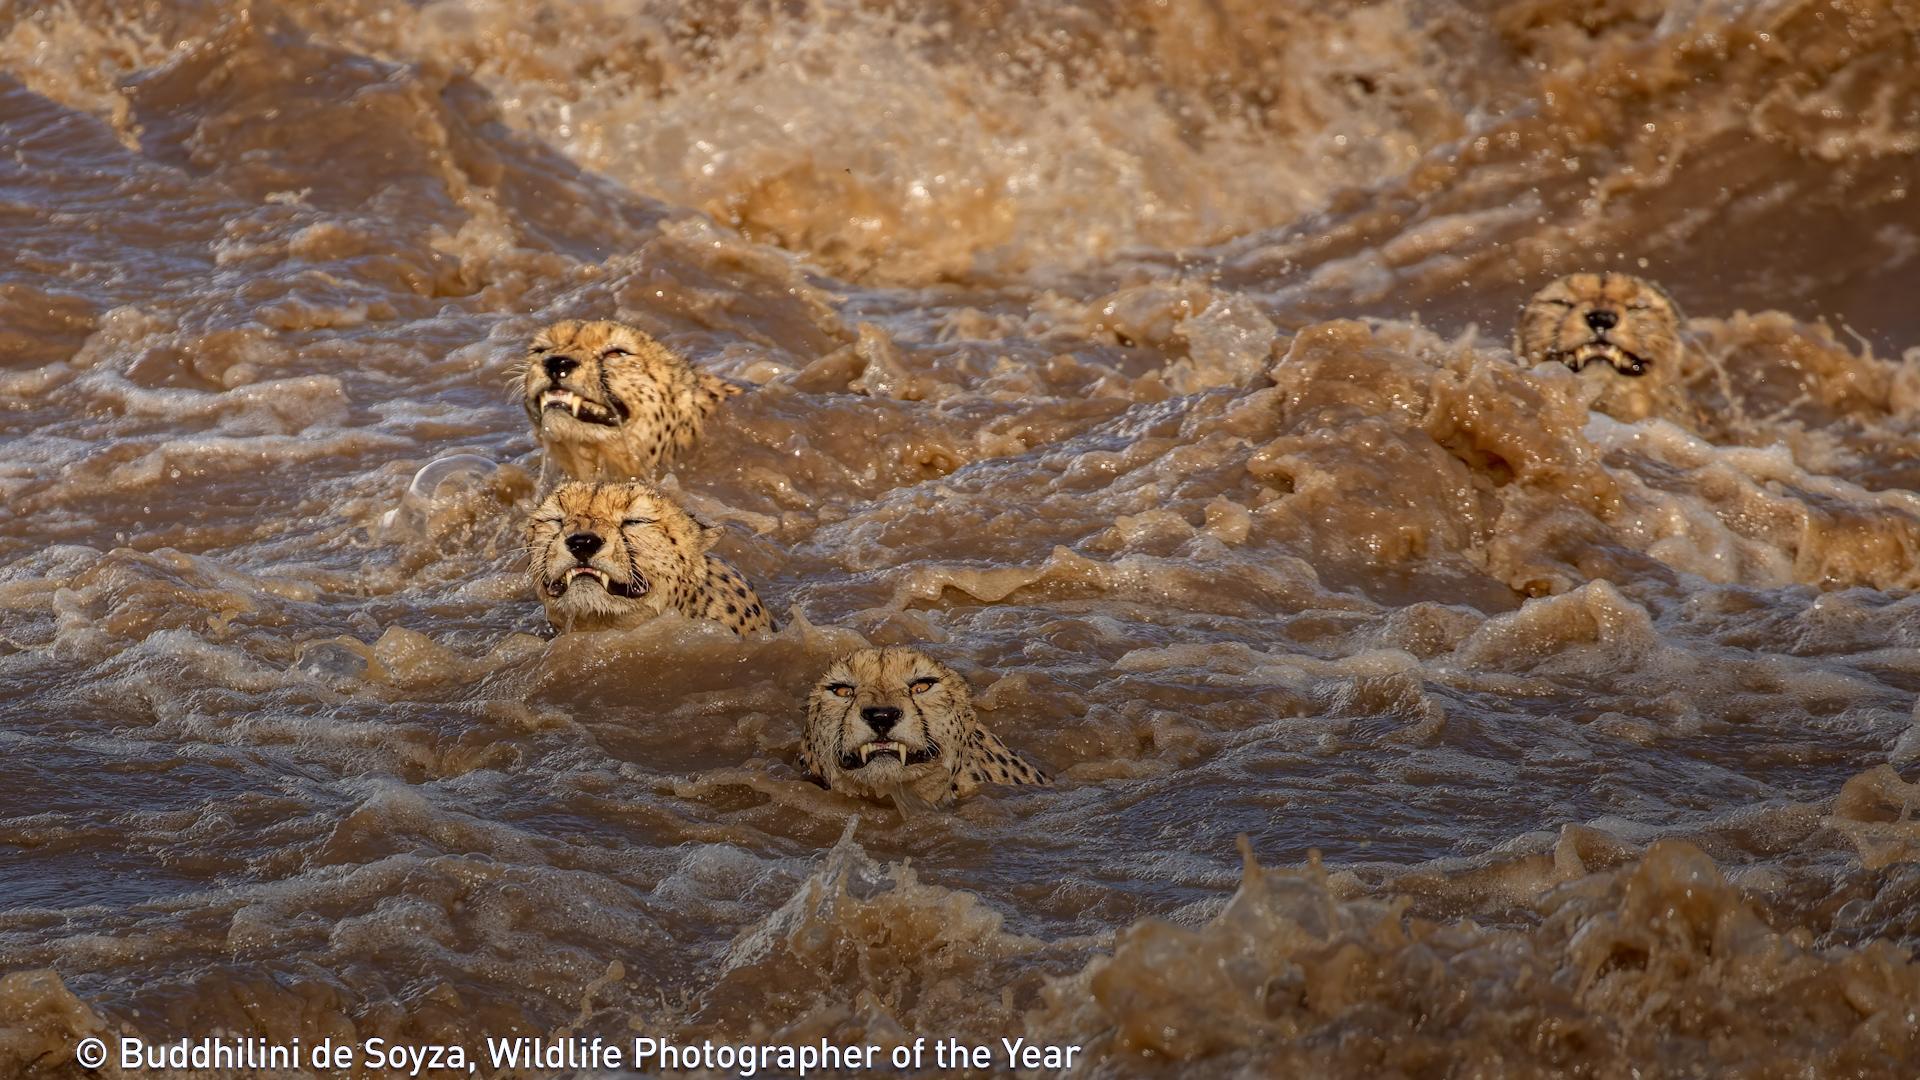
pixel 1145 360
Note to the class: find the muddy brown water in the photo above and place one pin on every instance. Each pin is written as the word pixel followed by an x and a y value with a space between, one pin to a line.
pixel 1147 362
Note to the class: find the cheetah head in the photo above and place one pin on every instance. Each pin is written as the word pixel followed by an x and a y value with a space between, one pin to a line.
pixel 613 555
pixel 1619 318
pixel 592 384
pixel 887 720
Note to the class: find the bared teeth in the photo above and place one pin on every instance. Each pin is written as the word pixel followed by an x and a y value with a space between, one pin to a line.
pixel 882 747
pixel 576 406
pixel 563 399
pixel 588 571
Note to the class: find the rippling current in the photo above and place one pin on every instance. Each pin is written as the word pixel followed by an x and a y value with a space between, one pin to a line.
pixel 1145 360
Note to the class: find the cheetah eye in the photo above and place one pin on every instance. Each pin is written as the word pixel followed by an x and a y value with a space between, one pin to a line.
pixel 634 523
pixel 554 521
pixel 841 689
pixel 613 352
pixel 921 686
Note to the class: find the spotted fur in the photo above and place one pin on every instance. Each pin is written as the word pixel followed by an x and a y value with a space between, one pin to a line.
pixel 931 746
pixel 1612 324
pixel 608 402
pixel 612 556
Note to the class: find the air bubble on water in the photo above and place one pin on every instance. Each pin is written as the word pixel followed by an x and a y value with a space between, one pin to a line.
pixel 410 517
pixel 331 661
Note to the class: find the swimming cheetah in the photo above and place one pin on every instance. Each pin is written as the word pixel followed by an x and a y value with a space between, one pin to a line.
pixel 608 402
pixel 612 556
pixel 1626 321
pixel 887 721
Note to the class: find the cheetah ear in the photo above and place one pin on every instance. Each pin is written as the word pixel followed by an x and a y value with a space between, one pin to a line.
pixel 705 535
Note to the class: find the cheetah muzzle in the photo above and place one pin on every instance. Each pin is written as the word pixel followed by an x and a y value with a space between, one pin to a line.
pixel 626 590
pixel 862 756
pixel 587 411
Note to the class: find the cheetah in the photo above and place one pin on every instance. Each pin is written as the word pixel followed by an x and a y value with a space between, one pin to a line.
pixel 613 555
pixel 608 402
pixel 1626 321
pixel 891 722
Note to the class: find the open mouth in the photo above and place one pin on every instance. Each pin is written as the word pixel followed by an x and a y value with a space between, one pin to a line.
pixel 1622 361
pixel 587 412
pixel 629 590
pixel 883 749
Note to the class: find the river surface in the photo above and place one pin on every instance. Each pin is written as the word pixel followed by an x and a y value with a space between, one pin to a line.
pixel 1145 360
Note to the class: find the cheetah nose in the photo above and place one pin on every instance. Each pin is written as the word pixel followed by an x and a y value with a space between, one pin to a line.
pixel 880 718
pixel 1602 320
pixel 558 366
pixel 583 545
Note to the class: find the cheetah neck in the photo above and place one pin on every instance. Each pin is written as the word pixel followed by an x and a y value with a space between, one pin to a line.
pixel 701 582
pixel 615 459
